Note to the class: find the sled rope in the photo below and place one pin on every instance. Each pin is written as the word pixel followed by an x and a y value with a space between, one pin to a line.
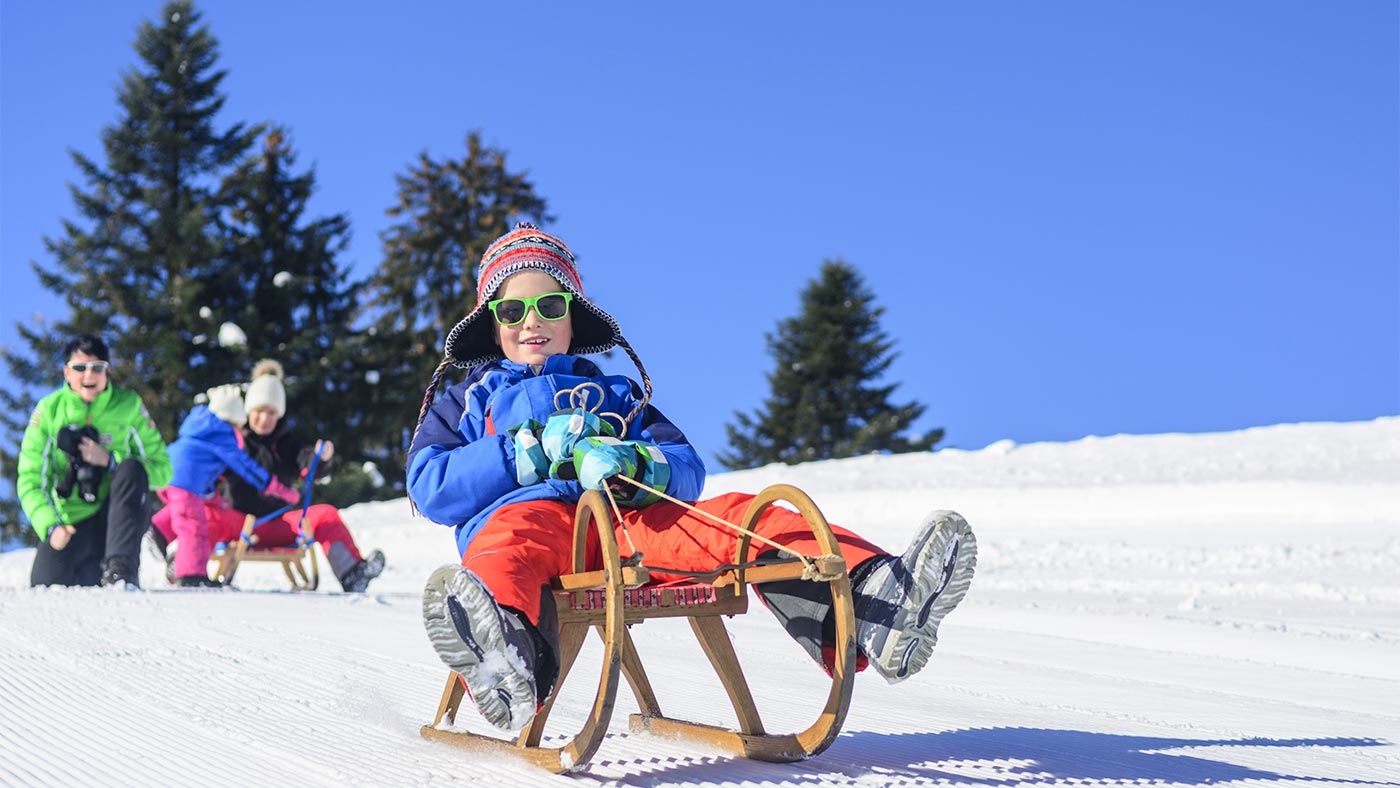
pixel 809 566
pixel 617 513
pixel 303 536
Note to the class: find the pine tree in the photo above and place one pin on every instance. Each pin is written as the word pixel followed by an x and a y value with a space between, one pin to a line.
pixel 142 259
pixel 823 402
pixel 448 212
pixel 297 304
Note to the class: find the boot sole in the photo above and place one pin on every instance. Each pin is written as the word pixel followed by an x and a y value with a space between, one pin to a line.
pixel 498 685
pixel 954 547
pixel 374 565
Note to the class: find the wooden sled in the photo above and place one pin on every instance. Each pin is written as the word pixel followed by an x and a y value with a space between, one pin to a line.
pixel 612 599
pixel 298 561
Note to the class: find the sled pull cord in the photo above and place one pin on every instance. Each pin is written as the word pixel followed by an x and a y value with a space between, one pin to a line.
pixel 617 513
pixel 809 567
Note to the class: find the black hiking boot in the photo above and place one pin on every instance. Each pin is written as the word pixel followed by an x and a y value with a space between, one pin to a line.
pixel 120 571
pixel 356 578
pixel 198 581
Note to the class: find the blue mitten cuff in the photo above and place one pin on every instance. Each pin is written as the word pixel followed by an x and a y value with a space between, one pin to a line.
pixel 652 470
pixel 531 463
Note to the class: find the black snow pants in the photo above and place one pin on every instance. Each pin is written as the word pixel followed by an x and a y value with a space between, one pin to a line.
pixel 113 532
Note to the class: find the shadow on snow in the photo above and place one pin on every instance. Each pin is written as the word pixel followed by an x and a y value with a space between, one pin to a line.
pixel 1006 756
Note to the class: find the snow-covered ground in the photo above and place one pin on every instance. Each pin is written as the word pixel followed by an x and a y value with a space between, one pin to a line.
pixel 1169 609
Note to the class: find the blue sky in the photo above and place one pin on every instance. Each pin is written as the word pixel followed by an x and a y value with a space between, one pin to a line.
pixel 1082 218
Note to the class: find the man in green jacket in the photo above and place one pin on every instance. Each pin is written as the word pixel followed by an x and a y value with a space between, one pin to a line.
pixel 86 497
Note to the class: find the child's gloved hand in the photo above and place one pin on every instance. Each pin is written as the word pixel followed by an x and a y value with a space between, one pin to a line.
pixel 562 433
pixel 531 462
pixel 226 402
pixel 597 459
pixel 277 489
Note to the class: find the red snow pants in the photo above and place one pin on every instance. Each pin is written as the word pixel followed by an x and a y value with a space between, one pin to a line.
pixel 525 545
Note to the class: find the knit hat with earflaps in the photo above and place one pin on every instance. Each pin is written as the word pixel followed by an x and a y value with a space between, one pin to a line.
pixel 473 340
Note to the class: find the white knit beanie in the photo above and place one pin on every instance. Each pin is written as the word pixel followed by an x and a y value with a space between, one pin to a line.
pixel 266 390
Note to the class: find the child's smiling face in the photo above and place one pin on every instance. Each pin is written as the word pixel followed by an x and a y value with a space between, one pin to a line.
pixel 534 339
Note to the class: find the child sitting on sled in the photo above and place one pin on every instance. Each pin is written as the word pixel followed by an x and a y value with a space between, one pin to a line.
pixel 208 445
pixel 504 456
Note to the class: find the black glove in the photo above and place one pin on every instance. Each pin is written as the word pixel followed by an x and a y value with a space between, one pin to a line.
pixel 87 478
pixel 69 437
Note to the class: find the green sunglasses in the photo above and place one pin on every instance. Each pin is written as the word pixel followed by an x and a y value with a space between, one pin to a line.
pixel 549 306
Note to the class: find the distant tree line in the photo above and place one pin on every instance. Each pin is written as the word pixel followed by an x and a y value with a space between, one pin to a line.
pixel 193 255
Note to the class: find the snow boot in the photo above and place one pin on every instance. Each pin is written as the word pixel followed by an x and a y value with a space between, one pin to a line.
pixel 356 578
pixel 900 603
pixel 491 647
pixel 160 549
pixel 199 581
pixel 120 571
pixel 158 544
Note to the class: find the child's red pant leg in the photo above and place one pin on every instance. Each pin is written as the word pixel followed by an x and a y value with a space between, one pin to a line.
pixel 670 535
pixel 520 549
pixel 525 545
pixel 277 532
pixel 225 525
pixel 329 529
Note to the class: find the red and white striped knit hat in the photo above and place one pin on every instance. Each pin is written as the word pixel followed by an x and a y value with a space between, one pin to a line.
pixel 472 341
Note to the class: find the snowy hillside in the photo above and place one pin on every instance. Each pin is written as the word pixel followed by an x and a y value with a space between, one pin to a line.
pixel 1169 609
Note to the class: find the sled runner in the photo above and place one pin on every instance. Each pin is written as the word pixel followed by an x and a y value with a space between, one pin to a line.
pixel 619 595
pixel 298 560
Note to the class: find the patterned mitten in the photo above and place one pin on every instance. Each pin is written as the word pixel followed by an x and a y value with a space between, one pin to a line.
pixel 531 462
pixel 562 433
pixel 599 459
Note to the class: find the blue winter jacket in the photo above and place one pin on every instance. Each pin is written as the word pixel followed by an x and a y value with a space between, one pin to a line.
pixel 207 446
pixel 461 466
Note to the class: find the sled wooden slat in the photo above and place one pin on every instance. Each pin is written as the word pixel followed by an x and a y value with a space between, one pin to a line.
pixel 827 565
pixel 606 601
pixel 298 563
pixel 632 577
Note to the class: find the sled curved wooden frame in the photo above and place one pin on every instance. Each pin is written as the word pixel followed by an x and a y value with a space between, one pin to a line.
pixel 621 588
pixel 298 561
